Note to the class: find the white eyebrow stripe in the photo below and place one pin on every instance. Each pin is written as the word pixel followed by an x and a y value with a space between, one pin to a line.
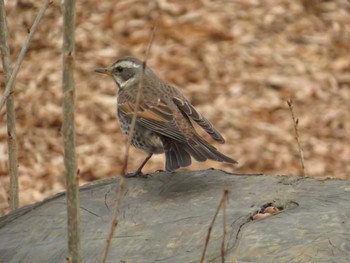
pixel 127 64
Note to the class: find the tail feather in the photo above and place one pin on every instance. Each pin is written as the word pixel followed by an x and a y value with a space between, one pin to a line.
pixel 209 151
pixel 175 155
pixel 195 152
pixel 179 154
pixel 183 158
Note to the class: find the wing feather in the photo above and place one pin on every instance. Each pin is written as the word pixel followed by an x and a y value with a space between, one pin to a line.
pixel 186 107
pixel 157 118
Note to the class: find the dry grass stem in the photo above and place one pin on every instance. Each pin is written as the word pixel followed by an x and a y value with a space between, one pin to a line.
pixel 121 186
pixel 10 110
pixel 222 203
pixel 25 47
pixel 296 130
pixel 68 132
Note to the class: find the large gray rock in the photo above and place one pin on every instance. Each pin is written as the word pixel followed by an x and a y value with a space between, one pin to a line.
pixel 165 218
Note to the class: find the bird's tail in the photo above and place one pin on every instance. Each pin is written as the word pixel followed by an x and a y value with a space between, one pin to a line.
pixel 202 150
pixel 175 155
pixel 179 154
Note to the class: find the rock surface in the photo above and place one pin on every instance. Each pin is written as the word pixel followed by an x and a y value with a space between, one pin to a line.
pixel 165 218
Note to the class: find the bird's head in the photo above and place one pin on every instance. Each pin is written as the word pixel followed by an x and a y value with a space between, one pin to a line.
pixel 126 71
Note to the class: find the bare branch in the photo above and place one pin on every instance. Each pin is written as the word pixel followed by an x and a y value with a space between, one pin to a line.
pixel 222 203
pixel 68 131
pixel 295 124
pixel 121 187
pixel 115 219
pixel 20 58
pixel 137 104
pixel 11 117
pixel 224 217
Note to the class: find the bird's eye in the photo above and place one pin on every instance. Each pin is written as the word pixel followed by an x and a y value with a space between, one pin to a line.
pixel 119 69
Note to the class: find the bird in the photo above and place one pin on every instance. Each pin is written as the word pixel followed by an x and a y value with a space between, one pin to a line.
pixel 165 118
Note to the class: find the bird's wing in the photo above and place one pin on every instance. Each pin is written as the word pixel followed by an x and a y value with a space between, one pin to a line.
pixel 157 117
pixel 185 106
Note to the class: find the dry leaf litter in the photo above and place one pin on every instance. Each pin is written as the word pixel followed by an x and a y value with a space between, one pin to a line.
pixel 237 61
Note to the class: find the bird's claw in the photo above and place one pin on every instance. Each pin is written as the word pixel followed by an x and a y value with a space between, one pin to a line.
pixel 136 174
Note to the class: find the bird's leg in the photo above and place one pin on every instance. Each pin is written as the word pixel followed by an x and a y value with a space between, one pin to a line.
pixel 138 172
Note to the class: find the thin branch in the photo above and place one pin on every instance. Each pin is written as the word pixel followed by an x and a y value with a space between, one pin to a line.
pixel 121 187
pixel 68 132
pixel 137 104
pixel 295 123
pixel 20 58
pixel 115 219
pixel 222 203
pixel 10 110
pixel 224 219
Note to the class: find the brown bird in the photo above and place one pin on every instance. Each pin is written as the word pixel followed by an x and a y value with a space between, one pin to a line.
pixel 164 117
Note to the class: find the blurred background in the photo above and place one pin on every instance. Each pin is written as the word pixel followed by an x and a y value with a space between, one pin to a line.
pixel 237 61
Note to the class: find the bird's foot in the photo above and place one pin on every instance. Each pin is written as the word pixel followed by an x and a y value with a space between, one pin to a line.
pixel 136 174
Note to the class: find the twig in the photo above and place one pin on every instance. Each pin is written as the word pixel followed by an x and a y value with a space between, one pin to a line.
pixel 68 131
pixel 225 199
pixel 137 103
pixel 10 110
pixel 115 219
pixel 121 187
pixel 20 58
pixel 295 123
pixel 222 203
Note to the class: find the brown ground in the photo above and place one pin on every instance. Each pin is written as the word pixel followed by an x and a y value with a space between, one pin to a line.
pixel 237 61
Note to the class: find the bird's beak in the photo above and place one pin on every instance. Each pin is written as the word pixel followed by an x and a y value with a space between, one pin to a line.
pixel 106 71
